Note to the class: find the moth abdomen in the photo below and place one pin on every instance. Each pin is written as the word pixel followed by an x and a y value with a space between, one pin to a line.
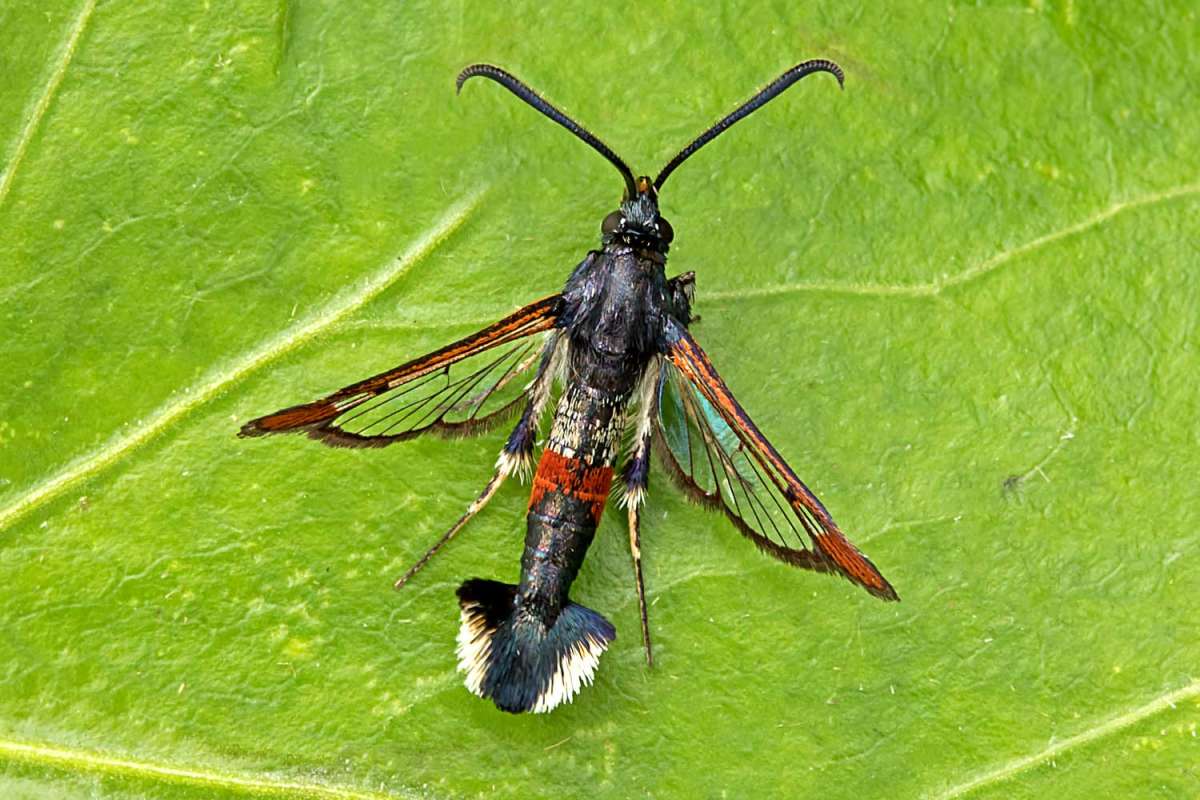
pixel 517 656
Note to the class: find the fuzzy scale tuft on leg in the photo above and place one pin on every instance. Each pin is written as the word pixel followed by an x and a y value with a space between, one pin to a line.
pixel 511 656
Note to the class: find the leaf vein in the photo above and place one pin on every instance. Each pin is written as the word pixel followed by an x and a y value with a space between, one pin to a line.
pixel 90 761
pixel 936 286
pixel 221 377
pixel 1097 731
pixel 43 101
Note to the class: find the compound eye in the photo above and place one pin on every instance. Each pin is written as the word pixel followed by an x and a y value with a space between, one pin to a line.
pixel 665 231
pixel 612 223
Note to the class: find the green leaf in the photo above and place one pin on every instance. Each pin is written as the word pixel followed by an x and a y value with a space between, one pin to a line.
pixel 960 296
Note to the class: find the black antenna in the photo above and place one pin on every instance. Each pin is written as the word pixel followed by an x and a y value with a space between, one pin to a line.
pixel 514 85
pixel 759 100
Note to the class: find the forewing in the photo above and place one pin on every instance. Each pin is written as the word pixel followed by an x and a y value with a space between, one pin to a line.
pixel 712 448
pixel 706 458
pixel 460 389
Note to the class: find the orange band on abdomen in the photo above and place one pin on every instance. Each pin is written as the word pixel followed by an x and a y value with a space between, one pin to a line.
pixel 573 478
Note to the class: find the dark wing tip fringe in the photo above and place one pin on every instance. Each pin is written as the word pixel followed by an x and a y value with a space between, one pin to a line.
pixel 251 429
pixel 332 436
pixel 295 418
pixel 848 561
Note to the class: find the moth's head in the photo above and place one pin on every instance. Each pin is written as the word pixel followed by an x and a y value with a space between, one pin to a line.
pixel 637 222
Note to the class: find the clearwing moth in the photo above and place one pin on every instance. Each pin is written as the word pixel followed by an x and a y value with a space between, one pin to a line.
pixel 615 343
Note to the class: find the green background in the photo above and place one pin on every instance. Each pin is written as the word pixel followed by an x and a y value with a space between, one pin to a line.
pixel 960 296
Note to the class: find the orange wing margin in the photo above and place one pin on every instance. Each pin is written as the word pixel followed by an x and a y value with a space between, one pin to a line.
pixel 318 418
pixel 832 545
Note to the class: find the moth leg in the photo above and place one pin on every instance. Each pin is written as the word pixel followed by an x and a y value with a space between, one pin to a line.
pixel 635 550
pixel 681 291
pixel 517 455
pixel 636 477
pixel 476 506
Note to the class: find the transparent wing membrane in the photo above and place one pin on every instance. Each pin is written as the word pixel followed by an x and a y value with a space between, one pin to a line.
pixel 713 450
pixel 708 460
pixel 460 389
pixel 461 398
